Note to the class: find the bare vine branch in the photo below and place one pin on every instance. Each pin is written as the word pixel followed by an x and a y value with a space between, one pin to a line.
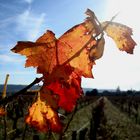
pixel 21 92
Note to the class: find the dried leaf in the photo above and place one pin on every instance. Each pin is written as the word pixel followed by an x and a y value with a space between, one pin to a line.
pixel 65 60
pixel 97 51
pixel 68 92
pixel 75 45
pixel 59 60
pixel 2 111
pixel 71 48
pixel 43 117
pixel 121 34
pixel 40 54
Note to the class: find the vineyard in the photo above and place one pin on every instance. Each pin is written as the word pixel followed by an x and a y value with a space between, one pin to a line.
pixel 59 110
pixel 94 118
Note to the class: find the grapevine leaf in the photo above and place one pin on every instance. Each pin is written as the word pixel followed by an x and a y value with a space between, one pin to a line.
pixel 48 97
pixel 121 34
pixel 75 45
pixel 59 60
pixel 40 54
pixel 97 51
pixel 68 93
pixel 72 47
pixel 64 61
pixel 43 117
pixel 2 111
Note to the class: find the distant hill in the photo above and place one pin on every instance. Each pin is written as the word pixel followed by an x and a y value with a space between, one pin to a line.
pixel 15 88
pixel 87 89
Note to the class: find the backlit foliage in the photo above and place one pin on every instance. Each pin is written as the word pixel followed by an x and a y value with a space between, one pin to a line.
pixel 2 111
pixel 63 61
pixel 43 117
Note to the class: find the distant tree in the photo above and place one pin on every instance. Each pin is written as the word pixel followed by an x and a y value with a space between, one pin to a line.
pixel 94 92
pixel 118 91
pixel 88 93
pixel 129 92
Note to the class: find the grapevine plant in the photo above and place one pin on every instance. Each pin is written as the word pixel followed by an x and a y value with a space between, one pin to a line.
pixel 63 61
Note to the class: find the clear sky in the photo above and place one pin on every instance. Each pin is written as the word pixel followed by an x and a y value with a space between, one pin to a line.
pixel 26 20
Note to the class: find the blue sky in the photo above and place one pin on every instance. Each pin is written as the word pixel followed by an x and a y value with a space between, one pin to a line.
pixel 22 20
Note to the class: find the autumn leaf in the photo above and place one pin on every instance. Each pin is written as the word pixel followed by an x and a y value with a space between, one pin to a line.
pixel 68 92
pixel 2 111
pixel 59 60
pixel 121 34
pixel 43 117
pixel 49 98
pixel 71 48
pixel 65 85
pixel 97 26
pixel 53 120
pixel 75 45
pixel 67 95
pixel 41 54
pixel 96 51
pixel 64 60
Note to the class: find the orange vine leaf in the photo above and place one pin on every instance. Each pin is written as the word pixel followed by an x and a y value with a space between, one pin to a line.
pixel 71 48
pixel 43 117
pixel 2 111
pixel 63 61
pixel 59 60
pixel 121 34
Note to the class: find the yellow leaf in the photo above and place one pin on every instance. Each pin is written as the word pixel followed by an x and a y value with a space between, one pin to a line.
pixel 97 51
pixel 43 117
pixel 121 34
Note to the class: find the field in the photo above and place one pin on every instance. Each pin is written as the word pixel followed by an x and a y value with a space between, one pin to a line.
pixel 95 118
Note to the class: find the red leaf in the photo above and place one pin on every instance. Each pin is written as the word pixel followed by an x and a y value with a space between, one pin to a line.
pixel 67 85
pixel 2 111
pixel 68 95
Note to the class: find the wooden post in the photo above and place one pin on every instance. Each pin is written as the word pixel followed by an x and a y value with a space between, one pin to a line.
pixel 82 135
pixel 5 87
pixel 3 96
pixel 74 134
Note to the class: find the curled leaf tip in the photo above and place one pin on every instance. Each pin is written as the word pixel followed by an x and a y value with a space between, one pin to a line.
pixel 121 34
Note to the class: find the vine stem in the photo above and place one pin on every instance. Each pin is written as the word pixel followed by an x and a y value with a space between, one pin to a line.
pixel 67 126
pixel 5 126
pixel 24 132
pixel 21 92
pixel 91 38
